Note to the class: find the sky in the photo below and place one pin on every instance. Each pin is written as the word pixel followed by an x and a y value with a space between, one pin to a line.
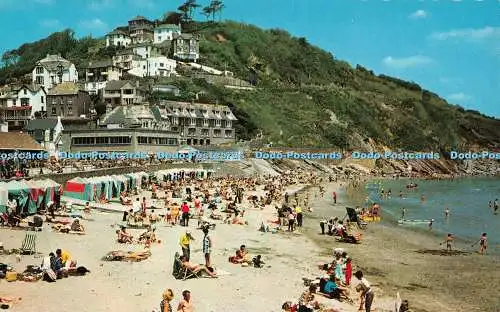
pixel 450 47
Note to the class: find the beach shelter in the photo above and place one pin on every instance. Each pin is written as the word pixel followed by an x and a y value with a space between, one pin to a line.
pixel 78 188
pixel 52 189
pixel 4 197
pixel 132 180
pixel 21 192
pixel 37 191
pixel 102 186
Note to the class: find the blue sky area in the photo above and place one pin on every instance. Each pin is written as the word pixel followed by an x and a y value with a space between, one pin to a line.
pixel 449 47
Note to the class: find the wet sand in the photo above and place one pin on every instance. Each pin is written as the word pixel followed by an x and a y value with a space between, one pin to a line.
pixel 396 259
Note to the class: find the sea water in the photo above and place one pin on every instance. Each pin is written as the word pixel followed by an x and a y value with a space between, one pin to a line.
pixel 467 200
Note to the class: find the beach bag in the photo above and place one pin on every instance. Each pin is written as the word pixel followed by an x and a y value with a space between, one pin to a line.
pixel 49 275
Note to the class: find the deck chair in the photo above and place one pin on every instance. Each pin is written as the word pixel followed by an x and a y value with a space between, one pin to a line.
pixel 180 272
pixel 353 217
pixel 29 243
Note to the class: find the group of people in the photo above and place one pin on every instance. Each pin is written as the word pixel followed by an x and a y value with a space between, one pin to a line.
pixel 184 305
pixel 57 265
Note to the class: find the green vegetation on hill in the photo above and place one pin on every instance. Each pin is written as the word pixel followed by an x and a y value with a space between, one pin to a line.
pixel 304 96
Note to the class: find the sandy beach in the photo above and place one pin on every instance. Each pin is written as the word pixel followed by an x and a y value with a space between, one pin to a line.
pixel 387 256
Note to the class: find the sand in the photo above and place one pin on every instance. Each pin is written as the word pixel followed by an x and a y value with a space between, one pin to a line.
pixel 387 257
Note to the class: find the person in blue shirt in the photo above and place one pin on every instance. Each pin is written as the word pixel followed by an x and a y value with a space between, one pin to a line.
pixel 332 288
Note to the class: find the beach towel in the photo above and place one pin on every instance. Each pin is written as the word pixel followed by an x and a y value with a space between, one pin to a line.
pixel 220 272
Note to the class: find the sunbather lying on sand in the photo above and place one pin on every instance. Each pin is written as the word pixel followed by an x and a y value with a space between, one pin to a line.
pixel 195 268
pixel 239 220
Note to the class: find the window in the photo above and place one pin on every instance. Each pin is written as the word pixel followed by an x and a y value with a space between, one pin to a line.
pixel 228 124
pixel 70 101
pixel 54 111
pixel 142 140
pixel 25 92
pixel 39 80
pixel 192 121
pixel 70 110
pixel 41 99
pixel 217 133
pixel 205 122
pixel 54 102
pixel 159 38
pixel 102 140
pixel 228 133
pixel 39 70
pixel 25 102
pixel 161 64
pixel 217 122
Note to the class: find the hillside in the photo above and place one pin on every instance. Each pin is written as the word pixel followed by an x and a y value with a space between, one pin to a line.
pixel 305 97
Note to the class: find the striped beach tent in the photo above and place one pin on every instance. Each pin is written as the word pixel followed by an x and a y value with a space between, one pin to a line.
pixel 4 197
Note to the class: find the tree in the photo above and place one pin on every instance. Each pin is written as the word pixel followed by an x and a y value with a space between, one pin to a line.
pixel 172 18
pixel 184 11
pixel 192 6
pixel 213 8
pixel 207 11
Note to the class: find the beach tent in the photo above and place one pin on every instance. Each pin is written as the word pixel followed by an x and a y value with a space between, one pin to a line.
pixel 78 188
pixel 132 180
pixel 21 192
pixel 4 197
pixel 102 185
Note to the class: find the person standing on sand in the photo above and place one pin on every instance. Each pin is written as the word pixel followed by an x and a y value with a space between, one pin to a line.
pixel 449 241
pixel 298 212
pixel 403 212
pixel 483 243
pixel 185 214
pixel 207 247
pixel 186 304
pixel 366 292
pixel 291 221
pixel 185 242
pixel 430 224
pixel 334 197
pixel 286 197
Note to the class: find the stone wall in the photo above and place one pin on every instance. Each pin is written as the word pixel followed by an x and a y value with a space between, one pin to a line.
pixel 63 177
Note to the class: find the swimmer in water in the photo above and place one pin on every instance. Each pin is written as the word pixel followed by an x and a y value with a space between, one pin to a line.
pixel 495 206
pixel 447 212
pixel 422 198
pixel 403 212
pixel 430 224
pixel 400 194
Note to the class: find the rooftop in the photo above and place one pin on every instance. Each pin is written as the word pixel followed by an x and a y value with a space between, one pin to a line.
pixel 65 88
pixel 41 124
pixel 118 31
pixel 132 114
pixel 115 85
pixel 100 64
pixel 52 62
pixel 18 141
pixel 169 26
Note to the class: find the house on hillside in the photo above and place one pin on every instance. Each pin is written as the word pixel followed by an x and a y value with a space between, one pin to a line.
pixel 160 66
pixel 68 100
pixel 201 124
pixel 19 104
pixel 54 69
pixel 118 38
pixel 122 92
pixel 140 30
pixel 98 73
pixel 165 32
pixel 186 47
pixel 145 49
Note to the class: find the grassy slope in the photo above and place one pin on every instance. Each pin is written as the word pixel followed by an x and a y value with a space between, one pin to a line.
pixel 304 92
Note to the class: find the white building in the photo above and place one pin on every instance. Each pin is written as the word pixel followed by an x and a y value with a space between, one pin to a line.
pixel 160 66
pixel 165 32
pixel 98 73
pixel 18 105
pixel 52 70
pixel 145 50
pixel 118 38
